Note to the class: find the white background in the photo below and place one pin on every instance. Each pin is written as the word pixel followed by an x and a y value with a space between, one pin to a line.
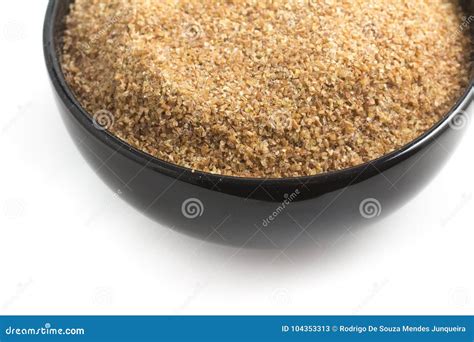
pixel 69 246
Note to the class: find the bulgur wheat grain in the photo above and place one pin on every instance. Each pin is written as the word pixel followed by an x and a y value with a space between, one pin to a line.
pixel 267 88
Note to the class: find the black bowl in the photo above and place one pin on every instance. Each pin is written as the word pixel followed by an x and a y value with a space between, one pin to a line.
pixel 252 212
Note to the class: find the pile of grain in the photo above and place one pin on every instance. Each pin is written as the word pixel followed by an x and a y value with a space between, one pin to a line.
pixel 267 88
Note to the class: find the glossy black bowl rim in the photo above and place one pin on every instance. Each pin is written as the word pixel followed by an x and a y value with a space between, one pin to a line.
pixel 348 175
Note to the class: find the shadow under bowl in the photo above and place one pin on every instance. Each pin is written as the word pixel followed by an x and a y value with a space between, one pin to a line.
pixel 252 213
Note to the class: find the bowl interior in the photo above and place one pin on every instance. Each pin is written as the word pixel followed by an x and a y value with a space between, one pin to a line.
pixel 54 26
